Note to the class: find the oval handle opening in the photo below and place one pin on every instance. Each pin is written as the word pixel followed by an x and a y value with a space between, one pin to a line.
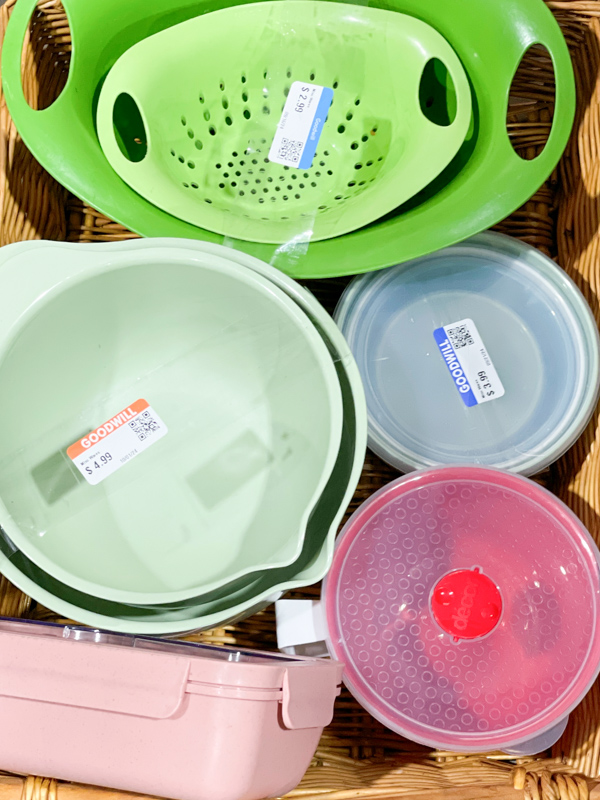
pixel 129 128
pixel 437 93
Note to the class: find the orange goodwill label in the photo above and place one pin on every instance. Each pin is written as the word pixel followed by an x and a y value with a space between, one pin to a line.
pixel 118 440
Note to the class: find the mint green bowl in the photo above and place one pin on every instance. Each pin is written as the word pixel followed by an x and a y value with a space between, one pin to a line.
pixel 256 590
pixel 232 366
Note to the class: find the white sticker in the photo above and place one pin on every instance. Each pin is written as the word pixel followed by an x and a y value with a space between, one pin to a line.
pixel 111 445
pixel 468 362
pixel 301 124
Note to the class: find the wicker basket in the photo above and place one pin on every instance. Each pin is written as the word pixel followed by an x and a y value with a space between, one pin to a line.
pixel 358 757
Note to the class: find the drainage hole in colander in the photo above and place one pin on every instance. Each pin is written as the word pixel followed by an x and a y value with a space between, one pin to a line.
pixel 221 186
pixel 313 184
pixel 242 163
pixel 380 158
pixel 317 174
pixel 341 128
pixel 361 183
pixel 206 200
pixel 374 130
pixel 321 163
pixel 218 166
pixel 297 196
pixel 257 180
pixel 265 92
pixel 312 75
pixel 265 190
pixel 212 130
pixel 325 152
pixel 247 113
pixel 241 193
pixel 187 186
pixel 252 191
pixel 243 78
pixel 198 144
pixel 322 208
pixel 238 173
pixel 230 163
pixel 194 185
pixel 351 183
pixel 255 161
pixel 286 91
pixel 233 183
pixel 262 169
pixel 234 154
pixel 190 133
pixel 369 164
pixel 201 98
pixel 336 83
pixel 286 167
pixel 354 146
pixel 282 177
pixel 245 97
pixel 250 172
pixel 207 115
pixel 285 197
pixel 285 218
pixel 364 138
pixel 330 172
pixel 289 187
pixel 358 166
pixel 261 199
pixel 225 174
pixel 269 179
pixel 273 199
pixel 222 86
pixel 266 110
pixel 288 72
pixel 357 101
pixel 225 102
pixel 245 183
pixel 181 159
pixel 228 120
pixel 172 152
pixel 191 165
pixel 301 186
pixel 183 121
pixel 278 188
pixel 349 116
pixel 338 197
pixel 266 74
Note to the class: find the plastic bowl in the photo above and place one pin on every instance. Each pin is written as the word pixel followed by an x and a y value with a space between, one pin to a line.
pixel 418 332
pixel 245 387
pixel 258 590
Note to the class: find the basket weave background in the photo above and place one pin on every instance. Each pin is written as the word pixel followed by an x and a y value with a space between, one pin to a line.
pixel 358 757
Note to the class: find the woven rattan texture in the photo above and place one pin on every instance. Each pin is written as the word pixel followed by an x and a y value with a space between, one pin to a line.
pixel 357 757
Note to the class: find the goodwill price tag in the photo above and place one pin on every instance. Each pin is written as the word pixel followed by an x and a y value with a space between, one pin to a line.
pixel 301 124
pixel 468 362
pixel 121 438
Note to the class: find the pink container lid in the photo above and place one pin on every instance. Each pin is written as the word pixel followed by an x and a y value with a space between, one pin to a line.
pixel 464 602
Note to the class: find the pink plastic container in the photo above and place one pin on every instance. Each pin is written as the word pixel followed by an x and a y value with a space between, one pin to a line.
pixel 179 720
pixel 464 603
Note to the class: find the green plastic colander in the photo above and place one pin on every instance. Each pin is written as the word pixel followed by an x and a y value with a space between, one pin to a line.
pixel 187 117
pixel 483 184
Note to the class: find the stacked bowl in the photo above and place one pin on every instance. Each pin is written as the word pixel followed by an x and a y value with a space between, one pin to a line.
pixel 325 139
pixel 185 429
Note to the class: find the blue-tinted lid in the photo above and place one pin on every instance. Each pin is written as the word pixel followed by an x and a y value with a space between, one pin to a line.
pixel 484 352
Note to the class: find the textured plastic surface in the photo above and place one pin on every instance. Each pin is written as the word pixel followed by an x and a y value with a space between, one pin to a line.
pixel 211 91
pixel 257 590
pixel 537 328
pixel 148 716
pixel 242 379
pixel 489 38
pixel 493 692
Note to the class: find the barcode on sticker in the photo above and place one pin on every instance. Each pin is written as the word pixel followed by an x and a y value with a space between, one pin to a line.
pixel 291 151
pixel 468 362
pixel 118 440
pixel 301 124
pixel 459 336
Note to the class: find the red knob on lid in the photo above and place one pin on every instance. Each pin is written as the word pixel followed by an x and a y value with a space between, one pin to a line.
pixel 466 604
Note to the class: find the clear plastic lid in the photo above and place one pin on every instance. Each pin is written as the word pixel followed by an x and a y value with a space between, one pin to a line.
pixel 464 603
pixel 89 635
pixel 485 352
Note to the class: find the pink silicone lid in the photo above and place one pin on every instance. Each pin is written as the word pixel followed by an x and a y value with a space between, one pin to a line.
pixel 464 603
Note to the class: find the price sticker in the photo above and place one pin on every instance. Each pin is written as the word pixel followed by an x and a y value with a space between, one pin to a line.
pixel 468 362
pixel 301 124
pixel 120 439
